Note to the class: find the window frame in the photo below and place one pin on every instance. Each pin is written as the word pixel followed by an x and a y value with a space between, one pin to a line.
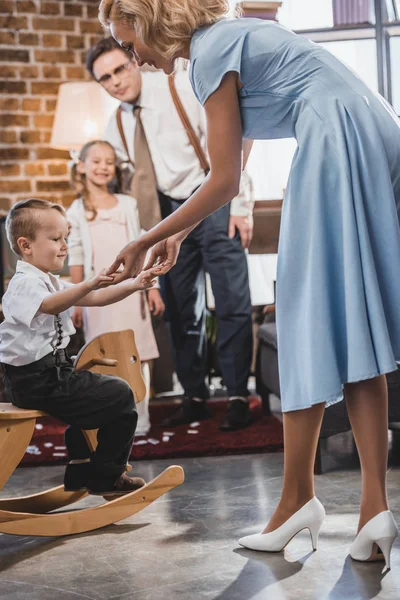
pixel 381 31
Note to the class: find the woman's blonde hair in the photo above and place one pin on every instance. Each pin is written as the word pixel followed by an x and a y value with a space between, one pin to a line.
pixel 78 180
pixel 164 25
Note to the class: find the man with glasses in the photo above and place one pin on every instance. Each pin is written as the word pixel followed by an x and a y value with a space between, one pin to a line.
pixel 151 140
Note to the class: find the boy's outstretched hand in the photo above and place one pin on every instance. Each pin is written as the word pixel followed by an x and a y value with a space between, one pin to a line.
pixel 100 281
pixel 144 281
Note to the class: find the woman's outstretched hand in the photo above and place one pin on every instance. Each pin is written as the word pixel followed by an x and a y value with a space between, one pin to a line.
pixel 163 256
pixel 131 258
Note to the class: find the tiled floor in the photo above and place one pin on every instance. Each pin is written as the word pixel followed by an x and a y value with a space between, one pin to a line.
pixel 184 546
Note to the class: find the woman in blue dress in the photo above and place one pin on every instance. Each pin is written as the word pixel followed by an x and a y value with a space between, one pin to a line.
pixel 338 283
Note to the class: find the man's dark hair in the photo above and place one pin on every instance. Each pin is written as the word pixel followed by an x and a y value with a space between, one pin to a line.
pixel 103 46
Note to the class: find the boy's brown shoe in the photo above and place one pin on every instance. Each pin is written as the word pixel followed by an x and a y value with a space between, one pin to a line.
pixel 122 485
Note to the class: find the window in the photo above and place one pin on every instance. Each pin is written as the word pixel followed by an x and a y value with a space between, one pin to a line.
pixel 306 14
pixel 395 62
pixel 360 56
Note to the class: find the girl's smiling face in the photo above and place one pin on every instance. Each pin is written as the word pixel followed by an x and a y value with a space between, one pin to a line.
pixel 127 38
pixel 98 165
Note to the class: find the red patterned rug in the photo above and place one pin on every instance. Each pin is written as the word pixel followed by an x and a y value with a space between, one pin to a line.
pixel 201 439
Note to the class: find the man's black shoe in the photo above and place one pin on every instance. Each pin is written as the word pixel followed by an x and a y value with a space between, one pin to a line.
pixel 237 416
pixel 189 412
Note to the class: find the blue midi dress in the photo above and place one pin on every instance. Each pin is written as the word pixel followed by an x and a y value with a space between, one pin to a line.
pixel 338 282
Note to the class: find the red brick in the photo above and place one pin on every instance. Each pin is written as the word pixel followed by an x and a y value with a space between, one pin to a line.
pixel 92 12
pixel 15 185
pixel 93 39
pixel 13 55
pixel 51 105
pixel 8 72
pixel 77 73
pixel 44 153
pixel 7 37
pixel 8 136
pixel 34 169
pixel 29 137
pixel 51 40
pixel 10 153
pixel 12 87
pixel 68 198
pixel 28 39
pixel 32 104
pixel 49 8
pixel 58 169
pixel 9 170
pixel 13 120
pixel 51 72
pixel 53 24
pixel 26 6
pixel 45 87
pixel 54 56
pixel 90 26
pixel 6 6
pixel 29 72
pixel 12 22
pixel 43 121
pixel 5 204
pixel 75 42
pixel 45 137
pixel 72 10
pixel 52 185
pixel 9 103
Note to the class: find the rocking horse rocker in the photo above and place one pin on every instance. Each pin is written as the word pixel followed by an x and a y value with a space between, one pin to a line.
pixel 34 515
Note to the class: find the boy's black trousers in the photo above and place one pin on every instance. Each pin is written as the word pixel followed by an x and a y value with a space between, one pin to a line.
pixel 83 400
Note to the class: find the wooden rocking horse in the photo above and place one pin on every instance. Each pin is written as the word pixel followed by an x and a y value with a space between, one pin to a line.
pixel 112 354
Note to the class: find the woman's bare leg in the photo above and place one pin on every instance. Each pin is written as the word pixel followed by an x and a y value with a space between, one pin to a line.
pixel 301 431
pixel 367 406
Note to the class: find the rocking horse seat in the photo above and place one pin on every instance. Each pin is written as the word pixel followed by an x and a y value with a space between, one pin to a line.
pixel 9 411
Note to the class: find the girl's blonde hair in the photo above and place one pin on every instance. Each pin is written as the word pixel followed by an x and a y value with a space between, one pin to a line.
pixel 78 180
pixel 164 25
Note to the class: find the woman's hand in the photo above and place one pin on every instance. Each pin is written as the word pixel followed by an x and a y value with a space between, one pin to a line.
pixel 164 255
pixel 156 304
pixel 131 258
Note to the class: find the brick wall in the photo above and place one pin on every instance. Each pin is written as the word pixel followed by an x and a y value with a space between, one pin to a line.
pixel 42 44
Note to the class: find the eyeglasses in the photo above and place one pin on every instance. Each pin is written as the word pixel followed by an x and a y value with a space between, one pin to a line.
pixel 106 79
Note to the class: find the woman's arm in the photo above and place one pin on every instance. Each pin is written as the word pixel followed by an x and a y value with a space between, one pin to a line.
pixel 224 142
pixel 224 138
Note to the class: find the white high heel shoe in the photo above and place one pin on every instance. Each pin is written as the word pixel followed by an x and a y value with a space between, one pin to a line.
pixel 378 534
pixel 310 516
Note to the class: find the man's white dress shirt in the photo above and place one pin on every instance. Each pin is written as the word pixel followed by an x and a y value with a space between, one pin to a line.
pixel 177 168
pixel 26 335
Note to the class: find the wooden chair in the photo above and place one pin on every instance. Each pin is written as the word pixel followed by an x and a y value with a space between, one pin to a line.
pixel 111 353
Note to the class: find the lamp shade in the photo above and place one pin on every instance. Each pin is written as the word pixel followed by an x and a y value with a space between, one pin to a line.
pixel 82 113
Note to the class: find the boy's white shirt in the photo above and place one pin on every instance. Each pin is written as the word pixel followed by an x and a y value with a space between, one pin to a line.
pixel 79 240
pixel 178 170
pixel 27 335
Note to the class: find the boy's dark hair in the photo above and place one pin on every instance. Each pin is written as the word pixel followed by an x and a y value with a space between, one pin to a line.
pixel 103 46
pixel 23 220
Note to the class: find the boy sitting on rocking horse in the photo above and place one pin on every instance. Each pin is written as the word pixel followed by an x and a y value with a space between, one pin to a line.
pixel 38 374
